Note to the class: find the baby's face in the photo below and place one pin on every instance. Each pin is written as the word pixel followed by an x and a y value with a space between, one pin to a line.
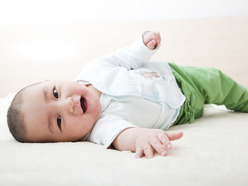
pixel 56 111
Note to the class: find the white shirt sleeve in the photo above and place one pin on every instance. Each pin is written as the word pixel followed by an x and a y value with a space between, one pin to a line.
pixel 131 57
pixel 107 128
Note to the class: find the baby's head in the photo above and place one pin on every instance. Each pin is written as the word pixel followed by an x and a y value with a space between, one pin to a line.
pixel 53 111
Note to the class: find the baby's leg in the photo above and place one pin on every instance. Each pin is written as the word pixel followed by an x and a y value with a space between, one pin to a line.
pixel 217 88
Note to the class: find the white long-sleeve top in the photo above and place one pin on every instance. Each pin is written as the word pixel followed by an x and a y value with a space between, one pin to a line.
pixel 135 92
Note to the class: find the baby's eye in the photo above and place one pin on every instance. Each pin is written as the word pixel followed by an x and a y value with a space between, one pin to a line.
pixel 59 122
pixel 55 93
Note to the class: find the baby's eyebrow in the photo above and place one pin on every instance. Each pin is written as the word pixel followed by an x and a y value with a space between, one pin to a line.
pixel 49 123
pixel 45 93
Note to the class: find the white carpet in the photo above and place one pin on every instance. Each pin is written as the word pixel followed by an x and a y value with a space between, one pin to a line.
pixel 213 151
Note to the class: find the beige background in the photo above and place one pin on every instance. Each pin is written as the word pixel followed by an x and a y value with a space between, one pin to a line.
pixel 36 52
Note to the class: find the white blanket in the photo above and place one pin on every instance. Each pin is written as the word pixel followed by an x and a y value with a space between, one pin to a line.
pixel 213 151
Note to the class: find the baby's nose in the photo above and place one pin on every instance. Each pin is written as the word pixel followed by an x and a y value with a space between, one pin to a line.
pixel 68 105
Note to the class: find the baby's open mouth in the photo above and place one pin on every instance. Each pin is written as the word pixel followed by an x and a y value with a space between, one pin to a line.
pixel 83 104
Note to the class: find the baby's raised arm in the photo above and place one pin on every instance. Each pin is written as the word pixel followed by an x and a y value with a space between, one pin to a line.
pixel 144 141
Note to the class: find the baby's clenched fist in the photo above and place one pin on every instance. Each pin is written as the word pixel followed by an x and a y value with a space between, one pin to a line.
pixel 151 40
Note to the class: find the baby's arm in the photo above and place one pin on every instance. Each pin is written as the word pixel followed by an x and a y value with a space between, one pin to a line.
pixel 131 57
pixel 144 141
pixel 135 55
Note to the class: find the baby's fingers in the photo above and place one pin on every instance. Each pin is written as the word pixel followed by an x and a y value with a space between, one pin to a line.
pixel 158 145
pixel 174 136
pixel 158 38
pixel 139 152
pixel 146 150
pixel 151 45
pixel 165 141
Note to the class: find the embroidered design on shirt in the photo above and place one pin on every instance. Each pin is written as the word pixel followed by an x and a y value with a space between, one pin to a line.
pixel 148 75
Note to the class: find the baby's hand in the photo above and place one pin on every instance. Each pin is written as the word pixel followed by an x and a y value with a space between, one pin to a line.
pixel 154 139
pixel 152 40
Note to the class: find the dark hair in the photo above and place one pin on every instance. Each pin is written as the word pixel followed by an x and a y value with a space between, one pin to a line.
pixel 15 118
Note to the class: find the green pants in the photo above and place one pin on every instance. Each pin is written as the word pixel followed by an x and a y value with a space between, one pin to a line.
pixel 207 86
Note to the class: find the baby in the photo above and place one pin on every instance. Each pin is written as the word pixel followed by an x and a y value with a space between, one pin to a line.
pixel 122 101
